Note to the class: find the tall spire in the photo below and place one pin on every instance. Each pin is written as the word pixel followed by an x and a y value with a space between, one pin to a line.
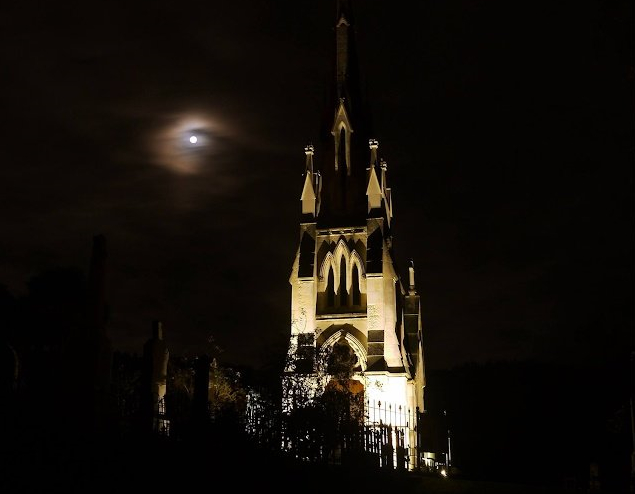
pixel 347 80
pixel 343 25
pixel 344 153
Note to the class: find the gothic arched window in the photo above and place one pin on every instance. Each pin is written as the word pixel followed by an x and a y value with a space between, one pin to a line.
pixel 343 293
pixel 341 157
pixel 330 289
pixel 357 296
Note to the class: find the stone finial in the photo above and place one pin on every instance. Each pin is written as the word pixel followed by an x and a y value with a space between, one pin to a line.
pixel 308 151
pixel 373 145
pixel 411 273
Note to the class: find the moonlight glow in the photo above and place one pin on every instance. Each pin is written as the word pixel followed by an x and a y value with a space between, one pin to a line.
pixel 188 142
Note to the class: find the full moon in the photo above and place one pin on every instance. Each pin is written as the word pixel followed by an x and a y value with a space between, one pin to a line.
pixel 186 143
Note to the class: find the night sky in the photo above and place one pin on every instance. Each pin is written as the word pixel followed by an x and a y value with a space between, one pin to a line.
pixel 507 128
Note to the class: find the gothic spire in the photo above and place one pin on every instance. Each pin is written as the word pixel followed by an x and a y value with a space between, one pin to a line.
pixel 346 131
pixel 347 81
pixel 343 26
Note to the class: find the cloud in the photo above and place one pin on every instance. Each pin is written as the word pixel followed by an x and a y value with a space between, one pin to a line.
pixel 171 147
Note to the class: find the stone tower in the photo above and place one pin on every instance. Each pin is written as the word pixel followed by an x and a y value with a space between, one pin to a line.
pixel 346 293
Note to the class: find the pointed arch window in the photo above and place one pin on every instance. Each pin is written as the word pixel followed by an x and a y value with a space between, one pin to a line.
pixel 357 296
pixel 330 289
pixel 343 292
pixel 341 158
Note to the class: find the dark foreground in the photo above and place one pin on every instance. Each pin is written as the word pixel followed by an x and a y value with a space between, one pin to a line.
pixel 162 466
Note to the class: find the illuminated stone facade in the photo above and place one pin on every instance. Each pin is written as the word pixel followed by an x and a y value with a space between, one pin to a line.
pixel 345 288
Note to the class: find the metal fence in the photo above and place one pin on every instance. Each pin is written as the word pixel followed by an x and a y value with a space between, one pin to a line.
pixel 381 436
pixel 385 436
